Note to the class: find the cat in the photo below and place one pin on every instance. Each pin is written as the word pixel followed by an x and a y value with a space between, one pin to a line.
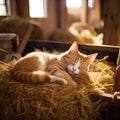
pixel 42 67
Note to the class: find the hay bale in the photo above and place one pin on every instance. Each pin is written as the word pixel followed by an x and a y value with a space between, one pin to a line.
pixel 44 102
pixel 38 32
pixel 79 26
pixel 8 24
pixel 19 101
pixel 51 101
pixel 11 24
pixel 86 33
pixel 63 35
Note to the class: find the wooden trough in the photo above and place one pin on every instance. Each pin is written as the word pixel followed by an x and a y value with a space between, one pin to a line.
pixel 53 102
pixel 112 110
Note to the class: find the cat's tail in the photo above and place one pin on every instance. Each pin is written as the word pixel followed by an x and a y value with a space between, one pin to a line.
pixel 37 77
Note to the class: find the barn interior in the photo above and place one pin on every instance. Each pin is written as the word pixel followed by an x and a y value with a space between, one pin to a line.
pixel 53 25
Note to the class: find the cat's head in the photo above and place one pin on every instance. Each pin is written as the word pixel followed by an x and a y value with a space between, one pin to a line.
pixel 77 62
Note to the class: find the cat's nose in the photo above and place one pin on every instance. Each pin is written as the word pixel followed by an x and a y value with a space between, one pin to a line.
pixel 73 69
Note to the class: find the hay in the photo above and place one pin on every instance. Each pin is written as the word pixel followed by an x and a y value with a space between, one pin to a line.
pixel 19 101
pixel 103 74
pixel 8 24
pixel 86 33
pixel 11 25
pixel 63 35
pixel 38 32
pixel 50 102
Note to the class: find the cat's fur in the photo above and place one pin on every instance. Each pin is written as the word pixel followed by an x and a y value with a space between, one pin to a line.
pixel 41 67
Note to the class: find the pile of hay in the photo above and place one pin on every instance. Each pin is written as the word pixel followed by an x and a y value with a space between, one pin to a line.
pixel 8 24
pixel 83 37
pixel 63 35
pixel 12 23
pixel 86 33
pixel 50 102
pixel 103 74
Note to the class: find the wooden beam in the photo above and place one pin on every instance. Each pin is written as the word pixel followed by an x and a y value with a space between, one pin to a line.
pixel 61 13
pixel 111 22
pixel 23 8
pixel 85 11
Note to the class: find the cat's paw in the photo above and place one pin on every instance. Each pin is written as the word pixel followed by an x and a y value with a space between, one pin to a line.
pixel 58 80
pixel 61 81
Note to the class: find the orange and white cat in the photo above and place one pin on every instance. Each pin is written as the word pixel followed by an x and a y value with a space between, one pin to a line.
pixel 41 67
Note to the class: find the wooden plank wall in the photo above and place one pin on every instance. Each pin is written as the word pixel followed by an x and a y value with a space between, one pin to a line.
pixel 49 24
pixel 57 14
pixel 58 17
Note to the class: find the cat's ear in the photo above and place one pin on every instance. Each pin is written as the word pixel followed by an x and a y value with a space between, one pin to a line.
pixel 74 47
pixel 91 58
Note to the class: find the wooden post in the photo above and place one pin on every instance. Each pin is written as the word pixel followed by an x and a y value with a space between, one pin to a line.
pixel 118 32
pixel 85 11
pixel 23 8
pixel 61 13
pixel 14 7
pixel 111 22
